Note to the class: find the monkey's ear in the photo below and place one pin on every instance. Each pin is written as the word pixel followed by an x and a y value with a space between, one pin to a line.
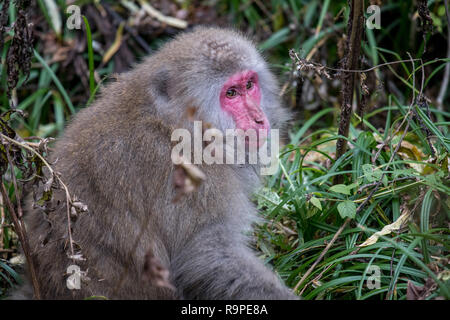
pixel 159 84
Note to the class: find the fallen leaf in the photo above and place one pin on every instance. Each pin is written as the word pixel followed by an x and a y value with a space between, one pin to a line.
pixel 395 226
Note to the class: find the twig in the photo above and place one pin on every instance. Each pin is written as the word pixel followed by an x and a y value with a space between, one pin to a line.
pixel 390 137
pixel 20 230
pixel 55 175
pixel 5 225
pixel 263 8
pixel 410 109
pixel 375 183
pixel 322 254
pixel 16 189
pixel 372 68
pixel 174 22
pixel 281 227
pixel 118 20
pixel 19 226
pixel 306 62
pixel 315 279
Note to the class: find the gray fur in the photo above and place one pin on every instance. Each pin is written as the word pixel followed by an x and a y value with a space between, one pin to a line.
pixel 115 157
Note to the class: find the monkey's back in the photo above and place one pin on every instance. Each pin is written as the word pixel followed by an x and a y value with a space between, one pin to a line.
pixel 115 157
pixel 124 174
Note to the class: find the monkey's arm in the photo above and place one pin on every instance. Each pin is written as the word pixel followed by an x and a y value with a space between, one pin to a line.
pixel 216 265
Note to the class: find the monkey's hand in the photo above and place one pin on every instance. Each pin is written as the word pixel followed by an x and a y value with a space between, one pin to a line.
pixel 217 264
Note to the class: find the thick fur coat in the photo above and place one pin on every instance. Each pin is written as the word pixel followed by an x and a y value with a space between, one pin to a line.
pixel 115 157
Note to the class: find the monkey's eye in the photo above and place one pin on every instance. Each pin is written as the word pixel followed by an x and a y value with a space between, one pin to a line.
pixel 231 93
pixel 249 85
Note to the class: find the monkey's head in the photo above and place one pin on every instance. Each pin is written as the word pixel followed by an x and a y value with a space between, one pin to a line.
pixel 222 75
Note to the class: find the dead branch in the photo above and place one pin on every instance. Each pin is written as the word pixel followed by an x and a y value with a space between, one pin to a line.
pixel 355 31
pixel 19 227
pixel 54 175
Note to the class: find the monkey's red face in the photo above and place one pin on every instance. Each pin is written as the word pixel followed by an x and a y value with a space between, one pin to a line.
pixel 240 97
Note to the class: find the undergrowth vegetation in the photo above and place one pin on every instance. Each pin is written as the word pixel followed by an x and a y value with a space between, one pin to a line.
pixel 370 224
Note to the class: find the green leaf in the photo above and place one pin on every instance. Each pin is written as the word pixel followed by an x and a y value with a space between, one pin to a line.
pixel 56 81
pixel 270 199
pixel 353 185
pixel 90 56
pixel 371 173
pixel 347 209
pixel 404 172
pixel 275 39
pixel 51 12
pixel 341 188
pixel 316 203
pixel 444 140
pixel 385 180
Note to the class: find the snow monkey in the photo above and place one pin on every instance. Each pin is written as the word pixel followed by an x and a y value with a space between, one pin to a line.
pixel 115 156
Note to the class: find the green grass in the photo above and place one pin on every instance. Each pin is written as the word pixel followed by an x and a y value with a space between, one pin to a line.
pixel 343 272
